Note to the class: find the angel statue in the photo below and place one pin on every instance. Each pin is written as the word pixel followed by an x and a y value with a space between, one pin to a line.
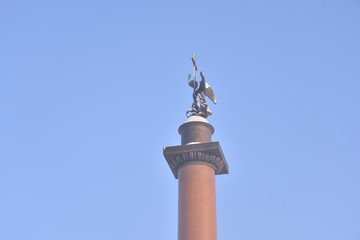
pixel 201 89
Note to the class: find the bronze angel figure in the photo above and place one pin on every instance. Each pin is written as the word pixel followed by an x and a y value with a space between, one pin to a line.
pixel 201 90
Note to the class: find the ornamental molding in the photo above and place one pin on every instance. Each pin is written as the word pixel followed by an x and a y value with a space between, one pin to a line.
pixel 209 154
pixel 196 157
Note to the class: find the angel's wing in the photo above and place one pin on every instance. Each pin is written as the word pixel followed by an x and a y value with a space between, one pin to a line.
pixel 207 89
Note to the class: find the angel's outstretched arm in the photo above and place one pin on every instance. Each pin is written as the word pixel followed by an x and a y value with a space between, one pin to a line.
pixel 191 82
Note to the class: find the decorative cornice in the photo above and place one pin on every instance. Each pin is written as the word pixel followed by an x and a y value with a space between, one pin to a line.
pixel 209 154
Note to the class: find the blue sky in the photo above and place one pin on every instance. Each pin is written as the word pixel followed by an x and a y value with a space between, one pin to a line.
pixel 91 91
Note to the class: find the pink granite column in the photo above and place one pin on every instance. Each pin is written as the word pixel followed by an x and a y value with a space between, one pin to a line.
pixel 197 204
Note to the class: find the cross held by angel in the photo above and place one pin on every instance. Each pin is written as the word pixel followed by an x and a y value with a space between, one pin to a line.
pixel 201 90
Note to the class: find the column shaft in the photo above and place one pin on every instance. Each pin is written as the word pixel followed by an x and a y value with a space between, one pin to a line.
pixel 197 203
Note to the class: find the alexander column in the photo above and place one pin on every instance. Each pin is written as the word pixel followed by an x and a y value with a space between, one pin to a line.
pixel 195 163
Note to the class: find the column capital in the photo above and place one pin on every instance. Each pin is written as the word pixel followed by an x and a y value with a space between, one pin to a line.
pixel 208 153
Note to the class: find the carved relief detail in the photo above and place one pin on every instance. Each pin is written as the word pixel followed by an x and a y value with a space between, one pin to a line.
pixel 197 157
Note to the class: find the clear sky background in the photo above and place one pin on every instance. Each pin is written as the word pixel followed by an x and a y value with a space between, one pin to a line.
pixel 91 91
